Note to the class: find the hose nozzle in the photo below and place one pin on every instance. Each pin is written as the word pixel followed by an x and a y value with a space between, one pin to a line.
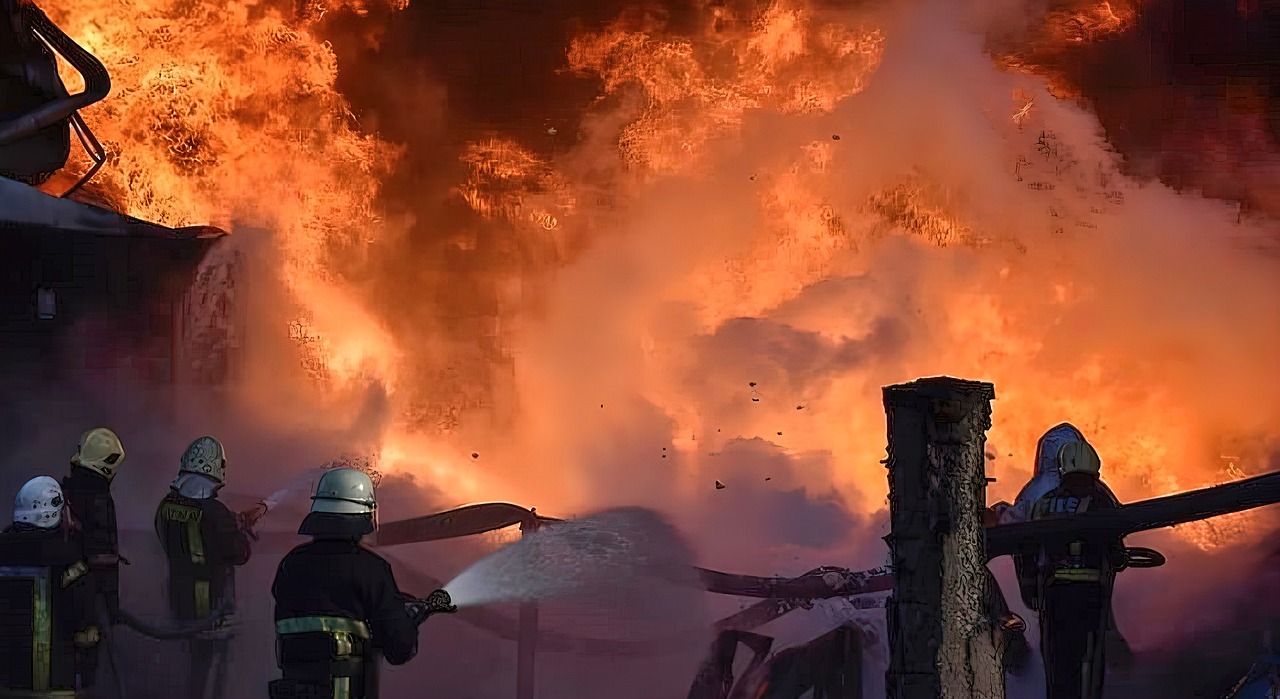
pixel 437 602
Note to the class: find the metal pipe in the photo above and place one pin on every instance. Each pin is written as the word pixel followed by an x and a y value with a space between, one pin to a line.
pixel 97 82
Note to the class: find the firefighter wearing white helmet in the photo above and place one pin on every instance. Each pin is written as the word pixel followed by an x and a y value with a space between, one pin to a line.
pixel 1075 575
pixel 39 504
pixel 333 586
pixel 203 542
pixel 40 544
pixel 87 488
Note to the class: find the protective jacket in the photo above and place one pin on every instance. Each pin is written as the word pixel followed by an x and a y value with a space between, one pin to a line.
pixel 1075 575
pixel 49 624
pixel 337 609
pixel 203 544
pixel 89 496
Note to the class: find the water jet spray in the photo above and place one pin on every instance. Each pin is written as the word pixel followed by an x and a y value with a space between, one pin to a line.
pixel 579 557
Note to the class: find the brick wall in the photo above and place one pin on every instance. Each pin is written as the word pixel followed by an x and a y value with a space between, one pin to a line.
pixel 115 301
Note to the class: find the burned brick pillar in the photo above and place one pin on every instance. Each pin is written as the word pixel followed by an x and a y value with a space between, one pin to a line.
pixel 941 641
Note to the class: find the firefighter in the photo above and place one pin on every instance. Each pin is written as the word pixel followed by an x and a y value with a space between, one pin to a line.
pixel 337 604
pixel 1075 575
pixel 88 492
pixel 1046 477
pixel 42 552
pixel 203 542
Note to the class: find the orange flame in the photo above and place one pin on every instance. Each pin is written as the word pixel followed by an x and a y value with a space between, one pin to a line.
pixel 220 114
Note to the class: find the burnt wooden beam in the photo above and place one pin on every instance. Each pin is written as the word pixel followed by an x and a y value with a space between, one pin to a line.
pixel 1155 513
pixel 941 642
pixel 822 583
pixel 460 522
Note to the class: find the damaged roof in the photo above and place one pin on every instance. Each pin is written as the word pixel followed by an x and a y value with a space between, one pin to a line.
pixel 25 207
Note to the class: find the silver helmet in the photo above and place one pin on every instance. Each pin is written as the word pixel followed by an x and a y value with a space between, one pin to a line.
pixel 205 457
pixel 344 491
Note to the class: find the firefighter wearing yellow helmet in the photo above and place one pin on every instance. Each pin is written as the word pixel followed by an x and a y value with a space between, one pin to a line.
pixel 87 489
pixel 1075 575
pixel 203 542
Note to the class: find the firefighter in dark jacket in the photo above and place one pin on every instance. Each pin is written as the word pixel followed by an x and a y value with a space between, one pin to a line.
pixel 88 492
pixel 1075 575
pixel 42 547
pixel 203 542
pixel 337 604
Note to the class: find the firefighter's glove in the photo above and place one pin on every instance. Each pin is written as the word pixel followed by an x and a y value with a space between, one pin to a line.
pixel 417 611
pixel 248 520
pixel 87 638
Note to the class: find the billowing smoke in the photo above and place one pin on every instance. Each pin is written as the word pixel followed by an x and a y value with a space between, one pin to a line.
pixel 697 251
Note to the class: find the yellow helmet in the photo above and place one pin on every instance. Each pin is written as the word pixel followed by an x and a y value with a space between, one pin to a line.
pixel 1079 457
pixel 100 451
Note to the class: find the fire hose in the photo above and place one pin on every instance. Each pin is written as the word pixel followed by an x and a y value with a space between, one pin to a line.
pixel 192 629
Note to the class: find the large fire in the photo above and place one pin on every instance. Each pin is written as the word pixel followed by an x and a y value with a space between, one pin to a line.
pixel 792 220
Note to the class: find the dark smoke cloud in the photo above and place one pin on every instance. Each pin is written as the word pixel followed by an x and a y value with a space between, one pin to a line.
pixel 1189 93
pixel 792 360
pixel 772 499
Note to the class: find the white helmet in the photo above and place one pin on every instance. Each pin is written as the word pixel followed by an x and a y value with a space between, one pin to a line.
pixel 100 451
pixel 39 502
pixel 205 457
pixel 344 491
pixel 1079 457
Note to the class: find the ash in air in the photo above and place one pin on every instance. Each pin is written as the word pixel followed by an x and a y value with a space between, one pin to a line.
pixel 569 237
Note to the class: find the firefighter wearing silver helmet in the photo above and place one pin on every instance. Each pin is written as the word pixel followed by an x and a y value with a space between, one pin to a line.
pixel 1075 575
pixel 334 593
pixel 203 542
pixel 42 545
